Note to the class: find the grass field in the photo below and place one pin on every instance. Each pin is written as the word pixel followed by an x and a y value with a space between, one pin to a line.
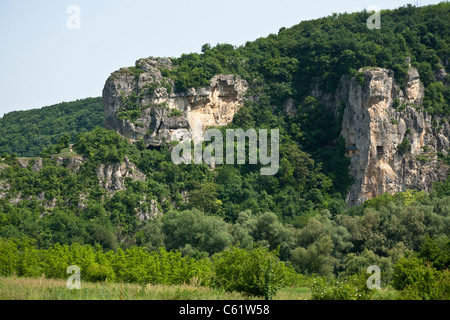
pixel 16 288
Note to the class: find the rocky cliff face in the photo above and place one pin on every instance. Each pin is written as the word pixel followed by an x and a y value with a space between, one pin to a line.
pixel 161 114
pixel 393 146
pixel 111 176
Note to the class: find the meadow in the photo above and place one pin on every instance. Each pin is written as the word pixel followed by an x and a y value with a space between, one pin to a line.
pixel 22 288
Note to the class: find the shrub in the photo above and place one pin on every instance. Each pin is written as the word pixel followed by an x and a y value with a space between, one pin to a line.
pixel 393 121
pixel 175 113
pixel 396 104
pixel 420 281
pixel 255 272
pixel 407 271
pixel 351 288
pixel 436 252
pixel 404 147
pixel 99 273
pixel 135 265
pixel 136 72
pixel 360 78
pixel 8 257
pixel 435 285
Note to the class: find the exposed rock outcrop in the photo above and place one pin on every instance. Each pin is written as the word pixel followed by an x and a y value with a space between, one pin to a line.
pixel 289 107
pixel 38 165
pixel 22 162
pixel 111 176
pixel 74 162
pixel 4 188
pixel 147 210
pixel 440 75
pixel 378 118
pixel 152 96
pixel 392 144
pixel 71 162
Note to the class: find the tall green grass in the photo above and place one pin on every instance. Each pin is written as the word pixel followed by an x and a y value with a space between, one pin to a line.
pixel 20 288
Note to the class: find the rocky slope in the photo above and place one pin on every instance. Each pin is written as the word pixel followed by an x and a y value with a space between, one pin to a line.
pixel 393 146
pixel 111 176
pixel 162 115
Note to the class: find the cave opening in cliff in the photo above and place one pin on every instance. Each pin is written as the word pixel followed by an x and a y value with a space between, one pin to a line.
pixel 157 148
pixel 380 150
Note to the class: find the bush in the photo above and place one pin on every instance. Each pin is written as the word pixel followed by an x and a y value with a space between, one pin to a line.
pixel 256 272
pixel 404 147
pixel 360 78
pixel 101 145
pixel 19 257
pixel 99 273
pixel 175 113
pixel 192 227
pixel 8 257
pixel 352 288
pixel 135 265
pixel 435 285
pixel 436 252
pixel 407 271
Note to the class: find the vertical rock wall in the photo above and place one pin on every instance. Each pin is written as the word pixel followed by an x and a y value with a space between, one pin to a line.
pixel 378 117
pixel 155 96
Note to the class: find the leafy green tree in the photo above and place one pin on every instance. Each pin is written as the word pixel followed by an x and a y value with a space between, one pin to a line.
pixel 202 232
pixel 436 251
pixel 316 258
pixel 27 133
pixel 442 188
pixel 256 272
pixel 358 264
pixel 404 147
pixel 102 145
pixel 268 229
pixel 419 280
pixel 205 198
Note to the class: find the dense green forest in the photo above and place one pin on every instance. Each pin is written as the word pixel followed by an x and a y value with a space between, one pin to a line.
pixel 327 239
pixel 292 226
pixel 28 132
pixel 289 63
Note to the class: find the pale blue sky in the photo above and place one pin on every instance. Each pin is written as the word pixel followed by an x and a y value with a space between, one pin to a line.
pixel 42 62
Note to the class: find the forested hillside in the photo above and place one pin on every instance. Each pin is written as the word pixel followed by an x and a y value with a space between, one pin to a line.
pixel 117 208
pixel 27 133
pixel 322 50
pixel 61 205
